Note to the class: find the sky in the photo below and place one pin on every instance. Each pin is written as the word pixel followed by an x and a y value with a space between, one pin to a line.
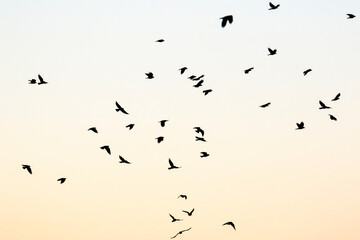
pixel 272 181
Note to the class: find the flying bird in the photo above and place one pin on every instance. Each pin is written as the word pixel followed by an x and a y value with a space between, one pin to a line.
pixel 93 129
pixel 198 78
pixel 265 105
pixel 200 139
pixel 162 122
pixel 123 160
pixel 337 97
pixel 307 71
pixel 27 167
pixel 273 7
pixel 204 154
pixel 107 148
pixel 181 232
pixel 119 108
pixel 172 166
pixel 174 219
pixel 323 106
pixel 226 19
pixel 332 117
pixel 230 224
pixel 300 126
pixel 41 80
pixel 192 77
pixel 198 84
pixel 182 70
pixel 207 91
pixel 182 196
pixel 130 126
pixel 160 139
pixel 149 75
pixel 32 81
pixel 350 16
pixel 160 40
pixel 189 213
pixel 199 130
pixel 271 51
pixel 248 70
pixel 62 180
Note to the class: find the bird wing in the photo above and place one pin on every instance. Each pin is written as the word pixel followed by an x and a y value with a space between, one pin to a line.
pixel 271 5
pixel 337 96
pixel 29 169
pixel 40 78
pixel 175 236
pixel 223 22
pixel 192 211
pixel 121 158
pixel 186 212
pixel 322 104
pixel 186 230
pixel 171 163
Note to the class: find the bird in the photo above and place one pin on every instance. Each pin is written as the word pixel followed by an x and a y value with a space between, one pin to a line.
pixel 273 7
pixel 332 117
pixel 149 75
pixel 207 91
pixel 230 224
pixel 172 166
pixel 192 77
pixel 119 108
pixel 182 196
pixel 200 139
pixel 265 105
pixel 41 80
pixel 189 213
pixel 62 180
pixel 181 232
pixel 350 16
pixel 160 40
pixel 248 70
pixel 199 130
pixel 204 154
pixel 93 129
pixel 32 81
pixel 174 219
pixel 182 70
pixel 300 126
pixel 198 78
pixel 226 19
pixel 122 160
pixel 27 167
pixel 337 97
pixel 271 52
pixel 130 126
pixel 323 106
pixel 198 84
pixel 160 139
pixel 162 123
pixel 307 71
pixel 107 148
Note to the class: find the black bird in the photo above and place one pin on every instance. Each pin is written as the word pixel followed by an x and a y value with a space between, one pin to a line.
pixel 62 180
pixel 182 70
pixel 162 122
pixel 32 81
pixel 231 224
pixel 122 160
pixel 198 78
pixel 323 106
pixel 160 139
pixel 199 130
pixel 107 148
pixel 248 70
pixel 160 40
pixel 93 129
pixel 200 139
pixel 337 97
pixel 181 232
pixel 265 105
pixel 189 213
pixel 207 91
pixel 226 19
pixel 271 52
pixel 174 219
pixel 119 108
pixel 27 167
pixel 130 126
pixel 332 117
pixel 350 15
pixel 204 154
pixel 300 126
pixel 41 80
pixel 172 166
pixel 273 7
pixel 149 75
pixel 198 84
pixel 182 196
pixel 307 71
pixel 192 77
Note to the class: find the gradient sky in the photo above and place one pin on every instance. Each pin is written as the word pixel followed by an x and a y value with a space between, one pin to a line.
pixel 272 181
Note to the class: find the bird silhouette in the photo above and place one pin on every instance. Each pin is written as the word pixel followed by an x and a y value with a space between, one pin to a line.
pixel 123 160
pixel 248 70
pixel 265 105
pixel 162 123
pixel 350 16
pixel 181 232
pixel 332 117
pixel 198 78
pixel 323 106
pixel 160 40
pixel 28 168
pixel 199 130
pixel 182 70
pixel 273 7
pixel 200 139
pixel 62 180
pixel 32 81
pixel 119 108
pixel 307 71
pixel 174 219
pixel 271 51
pixel 226 19
pixel 204 154
pixel 300 126
pixel 207 91
pixel 107 148
pixel 93 129
pixel 230 224
pixel 192 77
pixel 149 75
pixel 41 80
pixel 198 84
pixel 160 139
pixel 172 166
pixel 130 126
pixel 182 196
pixel 337 97
pixel 189 213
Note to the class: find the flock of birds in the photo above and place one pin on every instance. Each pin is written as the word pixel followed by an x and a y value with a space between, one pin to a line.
pixel 199 81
